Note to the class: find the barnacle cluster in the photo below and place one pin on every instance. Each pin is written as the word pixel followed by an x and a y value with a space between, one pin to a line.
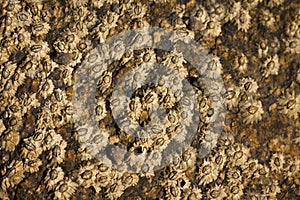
pixel 254 46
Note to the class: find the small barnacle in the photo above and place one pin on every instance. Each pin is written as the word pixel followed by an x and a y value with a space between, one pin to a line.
pixel 261 171
pixel 252 111
pixel 14 174
pixel 32 165
pixel 290 105
pixel 65 189
pixel 137 10
pixel 9 140
pixel 84 45
pixel 267 19
pixel 24 18
pixel 217 192
pixel 276 162
pixel 87 175
pixel 293 167
pixel 46 89
pixel 188 158
pixel 129 180
pixel 249 85
pixel 173 192
pixel 226 139
pixel 39 49
pixel 232 96
pixel 40 28
pixel 31 149
pixel 250 167
pixel 207 173
pixel 214 67
pixel 292 45
pixel 212 29
pixel 235 191
pixel 274 45
pixel 237 155
pixel 234 175
pixel 53 176
pixel 60 46
pixel 241 63
pixel 201 14
pixel 291 28
pixel 263 48
pixel 195 194
pixel 220 158
pixel 57 154
pixel 270 66
pixel 243 20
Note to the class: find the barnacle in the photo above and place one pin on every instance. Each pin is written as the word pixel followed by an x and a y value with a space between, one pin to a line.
pixel 65 189
pixel 217 192
pixel 270 66
pixel 241 63
pixel 9 140
pixel 277 162
pixel 267 19
pixel 13 175
pixel 53 177
pixel 290 105
pixel 235 191
pixel 252 111
pixel 243 20
pixel 207 173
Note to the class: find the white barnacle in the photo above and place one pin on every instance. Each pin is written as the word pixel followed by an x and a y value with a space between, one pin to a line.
pixel 270 66
pixel 9 140
pixel 207 173
pixel 235 191
pixel 267 19
pixel 65 189
pixel 276 162
pixel 53 176
pixel 241 63
pixel 14 174
pixel 289 104
pixel 252 111
pixel 243 20
pixel 249 85
pixel 217 192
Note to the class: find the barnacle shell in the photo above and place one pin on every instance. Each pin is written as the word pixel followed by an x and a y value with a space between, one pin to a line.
pixel 290 105
pixel 252 111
